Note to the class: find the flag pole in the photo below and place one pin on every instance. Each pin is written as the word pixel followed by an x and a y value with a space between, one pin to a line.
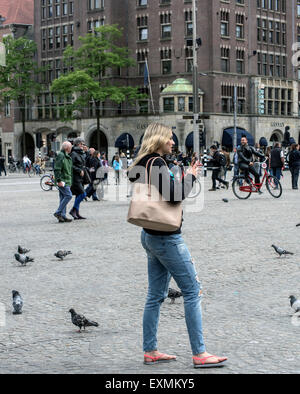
pixel 150 88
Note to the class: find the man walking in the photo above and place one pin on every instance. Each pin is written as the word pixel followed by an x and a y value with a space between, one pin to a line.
pixel 277 160
pixel 63 170
pixel 218 161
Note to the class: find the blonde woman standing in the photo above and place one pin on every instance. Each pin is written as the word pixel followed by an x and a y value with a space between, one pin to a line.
pixel 168 256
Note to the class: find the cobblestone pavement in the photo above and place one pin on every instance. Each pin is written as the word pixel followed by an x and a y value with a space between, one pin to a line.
pixel 246 310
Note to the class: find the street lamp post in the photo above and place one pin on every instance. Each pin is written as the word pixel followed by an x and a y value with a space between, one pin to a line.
pixel 195 84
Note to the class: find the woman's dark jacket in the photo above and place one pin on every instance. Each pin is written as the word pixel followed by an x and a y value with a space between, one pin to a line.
pixel 94 163
pixel 78 158
pixel 171 189
pixel 294 158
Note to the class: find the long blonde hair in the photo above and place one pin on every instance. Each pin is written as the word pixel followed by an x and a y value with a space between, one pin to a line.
pixel 156 135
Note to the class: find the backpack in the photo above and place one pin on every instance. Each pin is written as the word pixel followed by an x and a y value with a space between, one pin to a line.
pixel 222 159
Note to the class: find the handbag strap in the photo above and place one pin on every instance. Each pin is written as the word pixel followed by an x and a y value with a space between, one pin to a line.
pixel 146 171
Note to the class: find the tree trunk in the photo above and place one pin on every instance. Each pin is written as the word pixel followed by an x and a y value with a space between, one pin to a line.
pixel 22 109
pixel 98 124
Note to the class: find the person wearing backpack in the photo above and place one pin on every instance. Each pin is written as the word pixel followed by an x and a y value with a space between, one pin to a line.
pixel 217 162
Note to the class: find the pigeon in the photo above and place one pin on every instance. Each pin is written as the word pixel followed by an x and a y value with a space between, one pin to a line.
pixel 17 302
pixel 174 294
pixel 225 199
pixel 81 321
pixel 23 259
pixel 281 251
pixel 295 304
pixel 62 253
pixel 297 225
pixel 23 250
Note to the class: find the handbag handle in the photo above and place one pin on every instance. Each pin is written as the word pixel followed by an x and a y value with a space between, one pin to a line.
pixel 146 171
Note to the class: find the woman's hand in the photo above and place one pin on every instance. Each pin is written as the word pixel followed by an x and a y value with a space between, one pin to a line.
pixel 193 170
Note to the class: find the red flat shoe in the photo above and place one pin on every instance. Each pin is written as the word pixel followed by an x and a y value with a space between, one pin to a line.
pixel 158 359
pixel 203 364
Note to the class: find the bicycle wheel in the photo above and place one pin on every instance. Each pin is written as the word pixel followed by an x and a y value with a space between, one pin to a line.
pixel 241 189
pixel 274 186
pixel 46 183
pixel 196 190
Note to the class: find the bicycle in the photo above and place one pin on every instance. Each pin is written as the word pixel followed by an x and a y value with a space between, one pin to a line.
pixel 47 182
pixel 243 185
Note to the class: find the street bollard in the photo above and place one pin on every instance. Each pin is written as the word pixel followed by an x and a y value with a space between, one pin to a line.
pixel 205 162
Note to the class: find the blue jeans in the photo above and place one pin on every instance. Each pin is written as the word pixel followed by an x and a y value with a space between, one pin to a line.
pixel 65 196
pixel 78 200
pixel 168 256
pixel 276 171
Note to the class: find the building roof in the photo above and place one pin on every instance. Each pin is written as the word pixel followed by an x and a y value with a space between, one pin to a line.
pixel 179 86
pixel 17 11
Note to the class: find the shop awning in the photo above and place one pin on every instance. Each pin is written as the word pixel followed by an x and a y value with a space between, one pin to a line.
pixel 227 139
pixel 124 141
pixel 189 142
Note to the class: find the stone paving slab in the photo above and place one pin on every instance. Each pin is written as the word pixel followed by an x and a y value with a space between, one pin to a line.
pixel 246 310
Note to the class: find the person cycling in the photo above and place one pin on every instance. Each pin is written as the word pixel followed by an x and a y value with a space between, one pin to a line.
pixel 245 159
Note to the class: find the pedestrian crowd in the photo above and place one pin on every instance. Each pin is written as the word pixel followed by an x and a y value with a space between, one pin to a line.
pixel 77 166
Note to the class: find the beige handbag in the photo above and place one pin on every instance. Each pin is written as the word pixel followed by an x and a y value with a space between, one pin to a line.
pixel 150 210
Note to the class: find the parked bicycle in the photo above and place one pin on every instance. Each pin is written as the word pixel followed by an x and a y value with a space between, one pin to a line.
pixel 243 185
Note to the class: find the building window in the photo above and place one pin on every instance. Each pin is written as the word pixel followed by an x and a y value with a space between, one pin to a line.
pixel 188 17
pixel 141 61
pixel 169 104
pixel 181 104
pixel 225 64
pixel 142 24
pixel 142 2
pixel 166 62
pixel 239 28
pixel 224 23
pixel 166 27
pixel 240 60
pixel 189 61
pixel 227 97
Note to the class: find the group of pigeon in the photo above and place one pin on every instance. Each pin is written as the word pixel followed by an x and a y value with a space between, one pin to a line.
pixel 78 320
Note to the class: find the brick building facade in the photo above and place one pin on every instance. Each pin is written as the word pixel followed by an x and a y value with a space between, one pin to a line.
pixel 245 43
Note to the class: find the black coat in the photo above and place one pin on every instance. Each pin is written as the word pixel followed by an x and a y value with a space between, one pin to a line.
pixel 294 159
pixel 78 158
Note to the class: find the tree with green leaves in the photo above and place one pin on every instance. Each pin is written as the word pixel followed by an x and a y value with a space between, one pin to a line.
pixel 89 82
pixel 18 78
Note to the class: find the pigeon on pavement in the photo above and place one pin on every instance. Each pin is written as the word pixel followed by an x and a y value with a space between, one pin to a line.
pixel 225 199
pixel 23 259
pixel 23 250
pixel 297 225
pixel 295 304
pixel 172 294
pixel 81 321
pixel 62 253
pixel 17 302
pixel 281 251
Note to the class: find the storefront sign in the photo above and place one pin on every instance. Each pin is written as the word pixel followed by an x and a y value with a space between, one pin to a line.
pixel 277 124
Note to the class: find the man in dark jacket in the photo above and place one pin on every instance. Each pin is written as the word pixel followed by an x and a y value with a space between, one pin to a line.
pixel 245 158
pixel 63 180
pixel 277 160
pixel 294 165
pixel 216 163
pixel 78 158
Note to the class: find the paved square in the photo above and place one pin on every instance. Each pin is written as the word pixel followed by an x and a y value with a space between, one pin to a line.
pixel 246 312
